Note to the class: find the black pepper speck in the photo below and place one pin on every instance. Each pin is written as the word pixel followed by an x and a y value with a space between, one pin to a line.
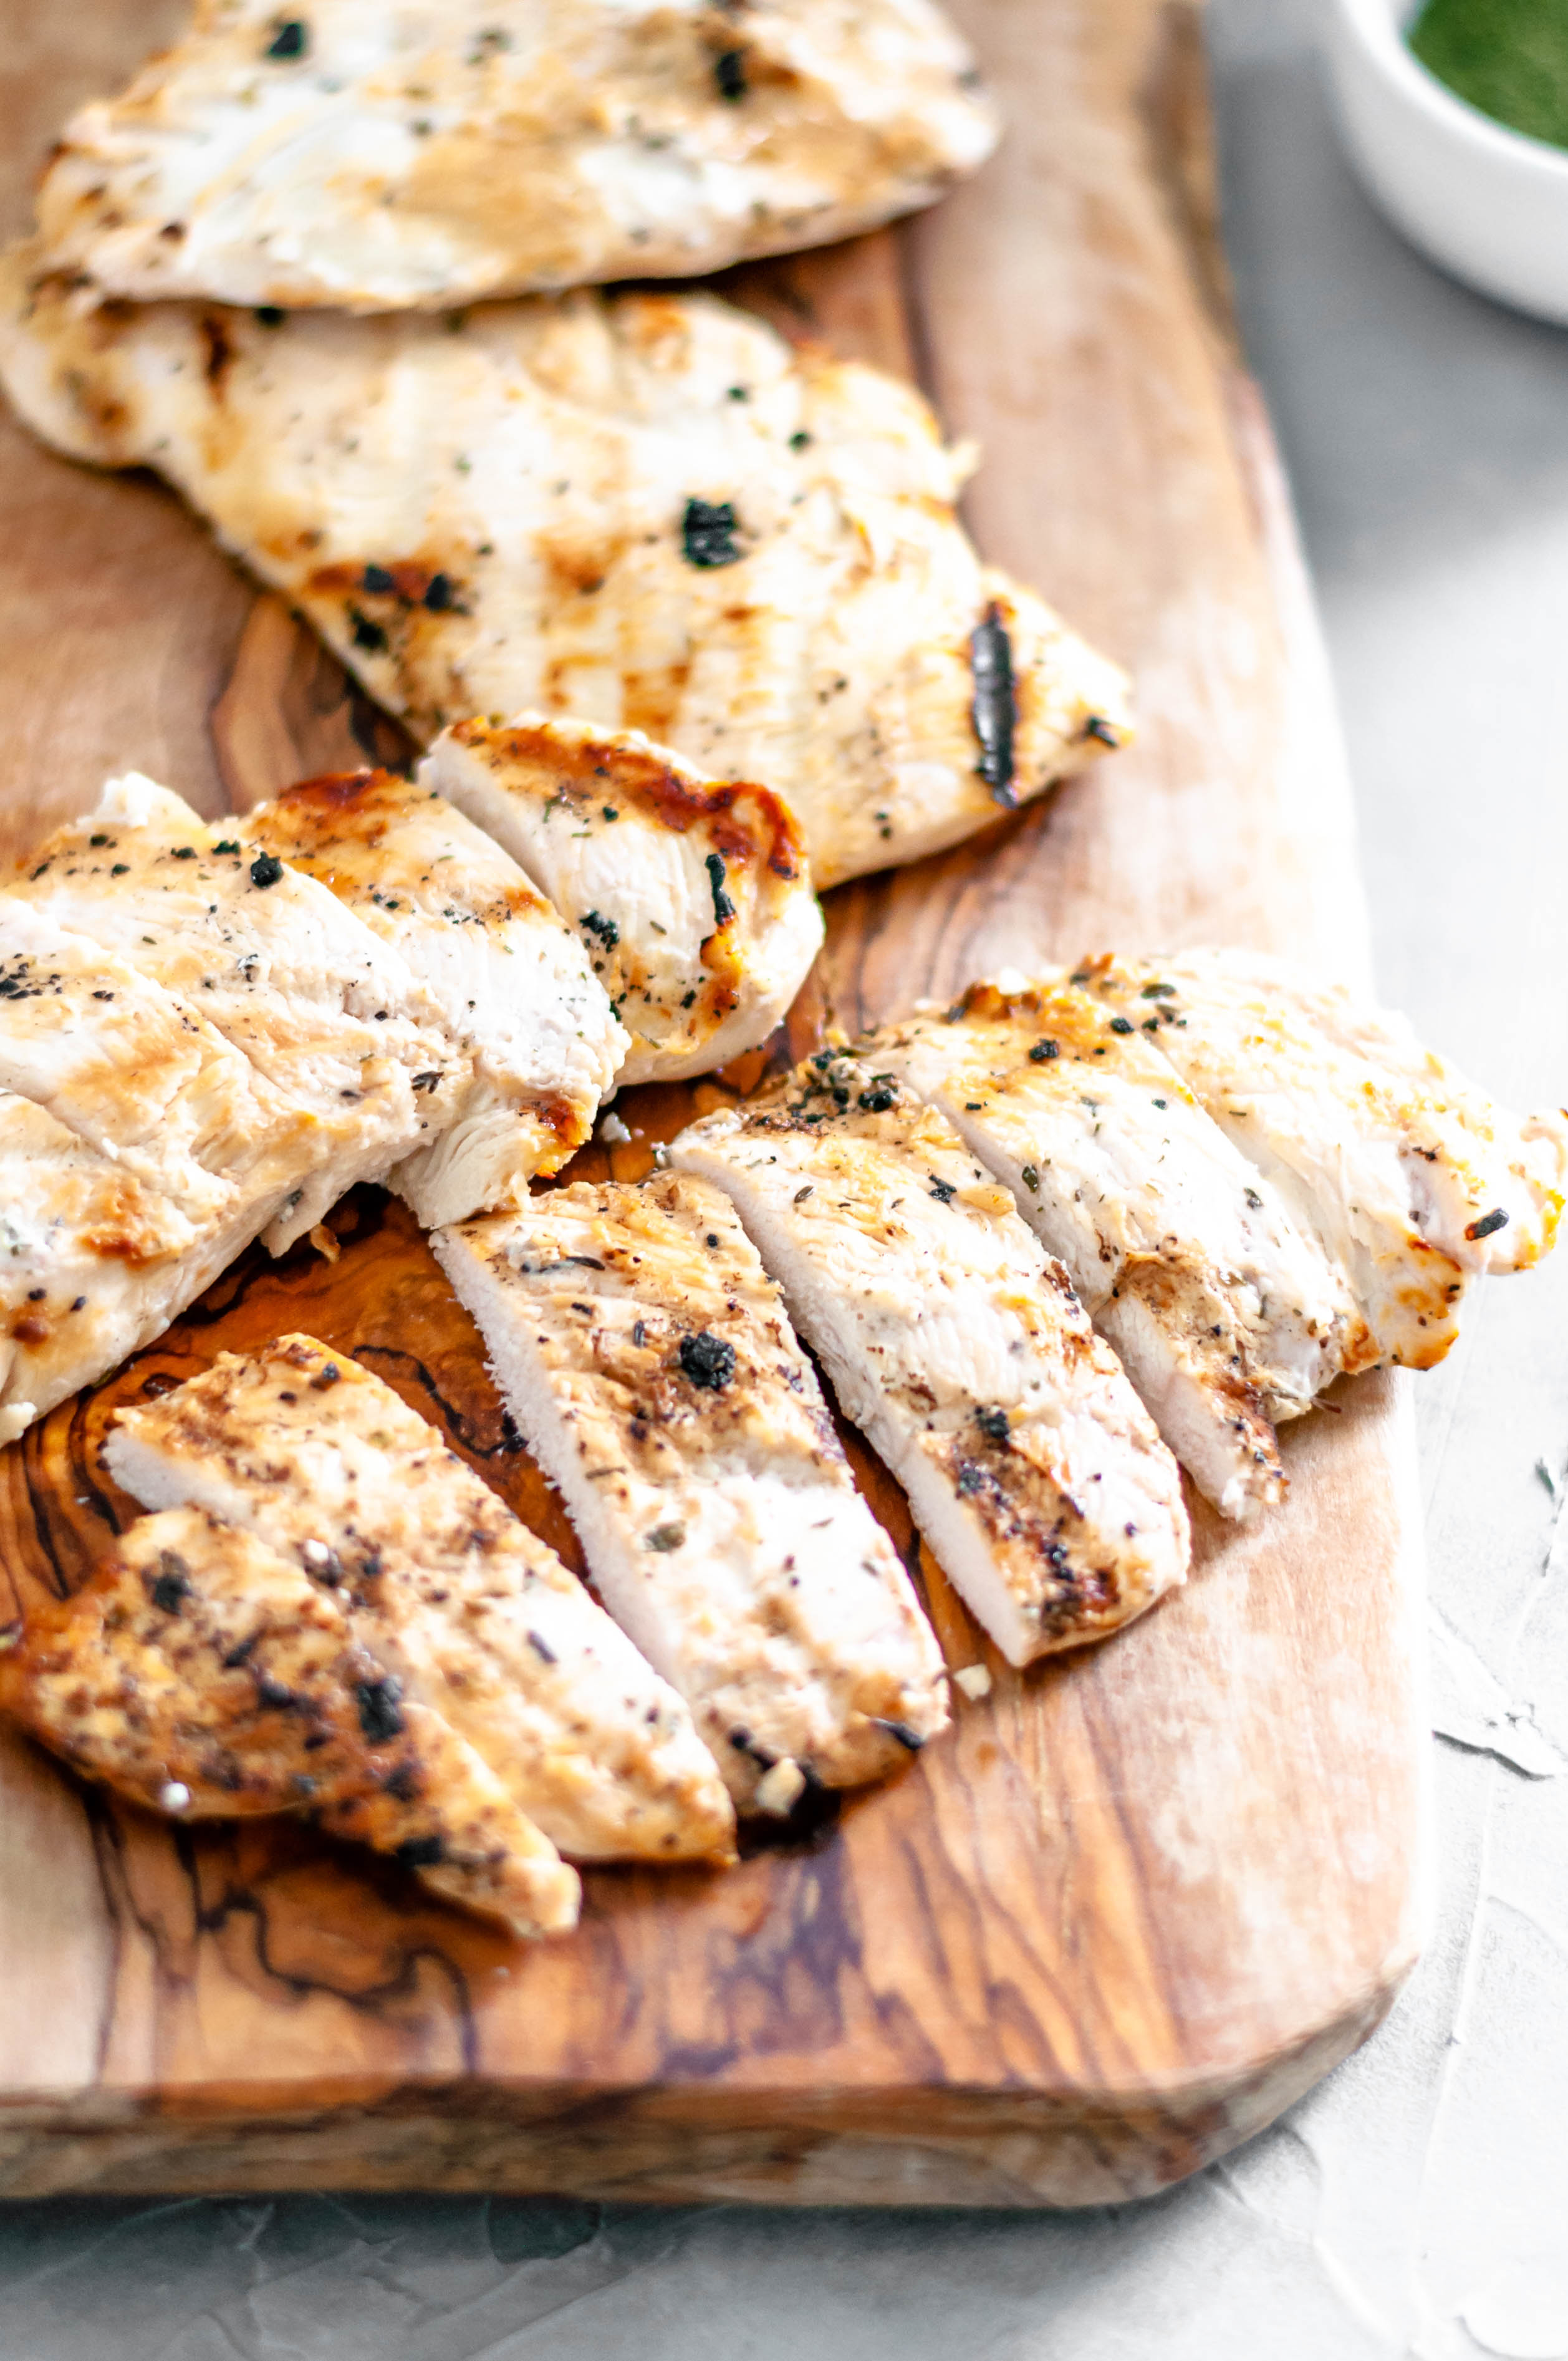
pixel 708 1360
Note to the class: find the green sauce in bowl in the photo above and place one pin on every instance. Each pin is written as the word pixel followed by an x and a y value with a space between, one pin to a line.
pixel 1508 58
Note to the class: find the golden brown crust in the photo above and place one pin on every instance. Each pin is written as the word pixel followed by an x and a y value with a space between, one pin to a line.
pixel 749 825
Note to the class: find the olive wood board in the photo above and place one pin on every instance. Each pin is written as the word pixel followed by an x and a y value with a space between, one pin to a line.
pixel 1141 1896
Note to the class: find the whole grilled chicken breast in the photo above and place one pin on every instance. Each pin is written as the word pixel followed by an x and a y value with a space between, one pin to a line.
pixel 207 1677
pixel 1225 1313
pixel 364 156
pixel 510 980
pixel 645 510
pixel 690 895
pixel 958 1345
pixel 308 1449
pixel 1415 1180
pixel 651 1367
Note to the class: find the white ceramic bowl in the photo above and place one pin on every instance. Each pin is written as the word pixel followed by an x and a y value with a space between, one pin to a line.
pixel 1485 201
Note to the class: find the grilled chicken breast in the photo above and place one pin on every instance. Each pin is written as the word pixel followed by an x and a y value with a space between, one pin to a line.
pixel 308 1449
pixel 690 893
pixel 1415 1180
pixel 203 1676
pixel 1226 1315
pixel 511 982
pixel 650 1365
pixel 959 1346
pixel 329 1016
pixel 369 157
pixel 643 510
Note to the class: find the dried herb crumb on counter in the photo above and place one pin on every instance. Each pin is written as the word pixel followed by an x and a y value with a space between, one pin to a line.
pixel 1507 58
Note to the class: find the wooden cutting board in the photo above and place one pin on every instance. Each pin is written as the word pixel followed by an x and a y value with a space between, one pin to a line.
pixel 1140 1898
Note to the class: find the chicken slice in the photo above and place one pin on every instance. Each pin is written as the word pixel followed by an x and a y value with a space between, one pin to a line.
pixel 207 1677
pixel 371 156
pixel 959 1346
pixel 644 509
pixel 138 1075
pixel 1224 1314
pixel 94 1264
pixel 1414 1179
pixel 650 1365
pixel 512 984
pixel 690 893
pixel 326 1013
pixel 308 1449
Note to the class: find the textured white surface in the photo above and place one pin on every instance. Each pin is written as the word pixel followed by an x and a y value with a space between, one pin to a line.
pixel 1416 2203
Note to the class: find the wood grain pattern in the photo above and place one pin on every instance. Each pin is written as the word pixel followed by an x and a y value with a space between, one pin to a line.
pixel 1139 1899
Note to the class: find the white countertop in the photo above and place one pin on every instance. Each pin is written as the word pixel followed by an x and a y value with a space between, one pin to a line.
pixel 1417 2203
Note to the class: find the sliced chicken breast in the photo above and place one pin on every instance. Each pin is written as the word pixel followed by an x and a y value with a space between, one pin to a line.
pixel 138 1075
pixel 94 1264
pixel 328 1015
pixel 958 1345
pixel 1226 1315
pixel 207 1677
pixel 366 156
pixel 512 984
pixel 1414 1179
pixel 312 1451
pixel 651 1367
pixel 690 895
pixel 643 510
